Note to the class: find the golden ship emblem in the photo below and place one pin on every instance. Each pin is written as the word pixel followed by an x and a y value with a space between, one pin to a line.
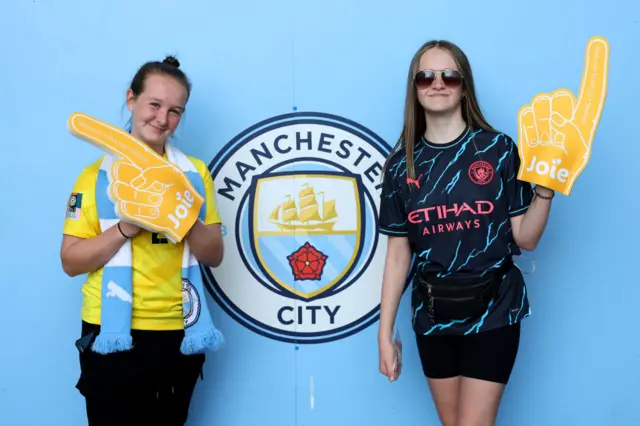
pixel 313 212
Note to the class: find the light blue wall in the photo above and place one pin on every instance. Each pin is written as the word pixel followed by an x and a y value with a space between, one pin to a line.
pixel 253 60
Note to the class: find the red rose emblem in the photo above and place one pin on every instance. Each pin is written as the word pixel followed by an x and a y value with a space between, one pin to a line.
pixel 307 263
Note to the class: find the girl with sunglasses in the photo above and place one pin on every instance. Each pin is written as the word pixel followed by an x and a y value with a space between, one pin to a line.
pixel 451 203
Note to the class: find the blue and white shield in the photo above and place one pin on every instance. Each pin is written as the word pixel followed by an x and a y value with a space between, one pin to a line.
pixel 306 230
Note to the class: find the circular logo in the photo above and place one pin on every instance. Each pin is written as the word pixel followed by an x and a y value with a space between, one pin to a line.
pixel 299 197
pixel 190 303
pixel 481 172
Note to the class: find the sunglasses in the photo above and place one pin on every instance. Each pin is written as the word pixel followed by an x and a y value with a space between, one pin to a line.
pixel 451 78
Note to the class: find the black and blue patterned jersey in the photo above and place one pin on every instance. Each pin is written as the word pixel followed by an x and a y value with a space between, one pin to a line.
pixel 456 214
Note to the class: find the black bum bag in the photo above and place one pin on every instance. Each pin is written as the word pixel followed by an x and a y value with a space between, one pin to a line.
pixel 448 299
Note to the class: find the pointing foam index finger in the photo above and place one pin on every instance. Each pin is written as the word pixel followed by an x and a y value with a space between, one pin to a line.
pixel 114 140
pixel 593 89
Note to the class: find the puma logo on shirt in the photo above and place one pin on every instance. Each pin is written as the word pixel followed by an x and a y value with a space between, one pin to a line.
pixel 415 182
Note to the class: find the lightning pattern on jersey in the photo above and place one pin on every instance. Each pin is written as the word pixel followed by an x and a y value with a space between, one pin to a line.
pixel 458 220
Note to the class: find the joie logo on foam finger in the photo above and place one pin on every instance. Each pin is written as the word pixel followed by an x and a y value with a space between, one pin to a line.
pixel 556 130
pixel 145 188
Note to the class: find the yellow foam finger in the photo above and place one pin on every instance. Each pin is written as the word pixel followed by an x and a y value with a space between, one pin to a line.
pixel 572 123
pixel 593 88
pixel 541 107
pixel 157 187
pixel 123 171
pixel 156 179
pixel 143 183
pixel 540 161
pixel 113 140
pixel 558 165
pixel 139 212
pixel 529 129
pixel 174 225
pixel 563 103
pixel 149 191
pixel 177 207
pixel 126 193
pixel 558 120
pixel 557 138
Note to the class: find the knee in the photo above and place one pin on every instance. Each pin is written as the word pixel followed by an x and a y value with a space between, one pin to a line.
pixel 448 414
pixel 451 420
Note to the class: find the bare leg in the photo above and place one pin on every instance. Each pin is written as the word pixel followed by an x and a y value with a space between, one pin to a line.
pixel 479 402
pixel 446 396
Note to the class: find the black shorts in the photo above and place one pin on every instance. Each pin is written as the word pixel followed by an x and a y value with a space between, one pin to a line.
pixel 488 355
pixel 150 384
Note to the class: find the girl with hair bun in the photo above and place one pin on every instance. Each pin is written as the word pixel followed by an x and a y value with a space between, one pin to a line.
pixel 147 376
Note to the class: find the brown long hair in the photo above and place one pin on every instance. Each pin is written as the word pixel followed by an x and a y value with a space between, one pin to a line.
pixel 415 124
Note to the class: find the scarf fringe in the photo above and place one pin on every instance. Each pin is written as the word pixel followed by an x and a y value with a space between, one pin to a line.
pixel 196 343
pixel 111 342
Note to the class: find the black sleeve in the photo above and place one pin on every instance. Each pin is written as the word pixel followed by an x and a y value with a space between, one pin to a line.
pixel 393 215
pixel 519 193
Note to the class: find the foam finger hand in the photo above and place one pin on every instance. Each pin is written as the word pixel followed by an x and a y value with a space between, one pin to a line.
pixel 563 103
pixel 528 128
pixel 541 108
pixel 156 179
pixel 141 212
pixel 162 199
pixel 124 171
pixel 154 186
pixel 125 192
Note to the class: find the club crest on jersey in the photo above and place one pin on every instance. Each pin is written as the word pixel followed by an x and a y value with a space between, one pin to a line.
pixel 299 196
pixel 481 172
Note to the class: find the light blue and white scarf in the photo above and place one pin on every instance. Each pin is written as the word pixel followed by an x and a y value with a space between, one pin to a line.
pixel 117 282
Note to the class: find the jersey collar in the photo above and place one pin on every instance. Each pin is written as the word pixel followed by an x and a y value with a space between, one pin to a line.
pixel 446 145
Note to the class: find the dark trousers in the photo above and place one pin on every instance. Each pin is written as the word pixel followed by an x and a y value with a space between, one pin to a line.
pixel 151 384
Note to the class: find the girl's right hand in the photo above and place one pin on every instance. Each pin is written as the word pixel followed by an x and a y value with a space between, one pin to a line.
pixel 386 353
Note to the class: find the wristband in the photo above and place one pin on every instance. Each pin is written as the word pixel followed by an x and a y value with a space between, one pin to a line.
pixel 123 234
pixel 545 197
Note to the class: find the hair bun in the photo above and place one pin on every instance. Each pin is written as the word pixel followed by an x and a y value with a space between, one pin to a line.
pixel 171 60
